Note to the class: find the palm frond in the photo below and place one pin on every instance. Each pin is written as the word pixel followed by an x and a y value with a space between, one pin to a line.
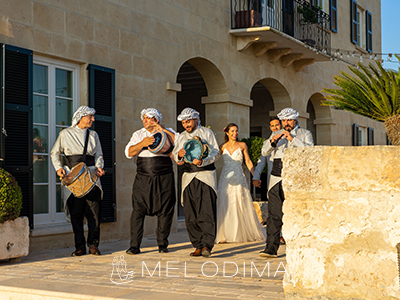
pixel 370 91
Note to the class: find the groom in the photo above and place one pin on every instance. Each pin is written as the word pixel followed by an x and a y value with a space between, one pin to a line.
pixel 199 184
pixel 290 136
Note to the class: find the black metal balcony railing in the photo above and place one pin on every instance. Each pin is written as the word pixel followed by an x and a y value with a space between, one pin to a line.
pixel 297 18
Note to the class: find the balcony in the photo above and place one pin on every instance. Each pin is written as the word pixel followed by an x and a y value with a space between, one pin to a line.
pixel 293 32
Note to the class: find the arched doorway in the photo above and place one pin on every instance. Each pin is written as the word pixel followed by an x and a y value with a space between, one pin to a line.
pixel 263 104
pixel 311 120
pixel 193 88
pixel 319 122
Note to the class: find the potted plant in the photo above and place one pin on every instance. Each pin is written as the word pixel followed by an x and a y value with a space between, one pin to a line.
pixel 14 230
pixel 310 14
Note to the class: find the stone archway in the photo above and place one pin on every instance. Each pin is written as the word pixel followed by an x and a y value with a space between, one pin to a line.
pixel 319 120
pixel 269 98
pixel 203 87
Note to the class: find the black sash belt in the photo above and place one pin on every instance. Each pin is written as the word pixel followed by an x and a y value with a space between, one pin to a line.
pixel 277 167
pixel 72 160
pixel 190 168
pixel 157 165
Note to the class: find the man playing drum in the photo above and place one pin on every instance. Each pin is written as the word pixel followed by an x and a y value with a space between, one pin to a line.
pixel 71 141
pixel 199 184
pixel 153 192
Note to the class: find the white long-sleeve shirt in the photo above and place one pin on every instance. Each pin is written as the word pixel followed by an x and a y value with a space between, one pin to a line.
pixel 301 138
pixel 208 177
pixel 71 141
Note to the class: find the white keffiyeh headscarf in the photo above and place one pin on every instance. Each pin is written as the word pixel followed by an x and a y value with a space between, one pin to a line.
pixel 151 113
pixel 189 114
pixel 288 114
pixel 80 113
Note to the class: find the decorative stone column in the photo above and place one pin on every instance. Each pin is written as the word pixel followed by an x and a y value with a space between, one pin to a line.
pixel 342 222
pixel 223 109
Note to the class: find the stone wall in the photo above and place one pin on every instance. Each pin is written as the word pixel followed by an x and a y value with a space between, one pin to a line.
pixel 342 222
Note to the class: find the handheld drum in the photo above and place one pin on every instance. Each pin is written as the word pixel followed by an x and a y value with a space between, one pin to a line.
pixel 195 149
pixel 80 180
pixel 162 143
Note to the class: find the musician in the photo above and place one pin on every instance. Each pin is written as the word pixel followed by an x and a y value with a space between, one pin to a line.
pixel 289 137
pixel 71 142
pixel 199 184
pixel 153 191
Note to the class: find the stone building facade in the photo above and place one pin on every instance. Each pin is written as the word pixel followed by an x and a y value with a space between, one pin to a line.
pixel 231 60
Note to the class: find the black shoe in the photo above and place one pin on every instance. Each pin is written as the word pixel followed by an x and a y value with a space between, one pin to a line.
pixel 162 249
pixel 79 252
pixel 265 253
pixel 133 251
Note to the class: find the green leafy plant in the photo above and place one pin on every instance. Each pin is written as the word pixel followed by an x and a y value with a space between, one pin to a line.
pixel 310 13
pixel 371 91
pixel 10 197
pixel 254 144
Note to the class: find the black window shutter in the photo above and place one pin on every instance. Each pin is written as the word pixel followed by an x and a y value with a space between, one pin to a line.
pixel 333 14
pixel 370 133
pixel 353 21
pixel 16 120
pixel 368 23
pixel 355 135
pixel 102 99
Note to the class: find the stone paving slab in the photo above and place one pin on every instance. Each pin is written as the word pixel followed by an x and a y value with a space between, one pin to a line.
pixel 234 271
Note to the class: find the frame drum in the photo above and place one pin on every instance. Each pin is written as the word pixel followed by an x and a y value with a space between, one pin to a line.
pixel 195 149
pixel 162 143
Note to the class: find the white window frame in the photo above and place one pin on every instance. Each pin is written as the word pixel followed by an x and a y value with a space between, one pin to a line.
pixel 53 217
pixel 360 26
pixel 267 9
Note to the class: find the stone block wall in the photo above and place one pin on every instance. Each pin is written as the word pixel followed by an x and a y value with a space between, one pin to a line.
pixel 342 222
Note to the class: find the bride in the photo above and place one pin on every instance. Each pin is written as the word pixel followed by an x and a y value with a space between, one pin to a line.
pixel 237 220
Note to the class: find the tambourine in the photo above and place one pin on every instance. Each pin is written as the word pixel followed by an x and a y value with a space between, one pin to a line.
pixel 195 149
pixel 162 143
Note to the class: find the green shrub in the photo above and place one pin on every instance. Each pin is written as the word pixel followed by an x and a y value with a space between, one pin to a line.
pixel 10 197
pixel 254 144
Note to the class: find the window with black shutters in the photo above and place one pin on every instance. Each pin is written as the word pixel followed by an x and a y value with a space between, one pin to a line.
pixel 370 135
pixel 102 99
pixel 368 29
pixel 16 120
pixel 55 99
pixel 355 135
pixel 353 22
pixel 333 13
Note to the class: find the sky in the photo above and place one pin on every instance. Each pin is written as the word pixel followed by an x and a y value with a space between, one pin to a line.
pixel 390 10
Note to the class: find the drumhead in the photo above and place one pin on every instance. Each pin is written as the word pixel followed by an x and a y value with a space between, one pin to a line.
pixel 194 150
pixel 158 137
pixel 74 173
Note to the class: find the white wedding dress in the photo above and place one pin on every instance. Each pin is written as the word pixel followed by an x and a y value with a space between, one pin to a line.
pixel 237 220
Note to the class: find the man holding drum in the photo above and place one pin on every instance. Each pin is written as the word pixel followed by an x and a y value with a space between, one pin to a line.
pixel 199 183
pixel 72 141
pixel 153 192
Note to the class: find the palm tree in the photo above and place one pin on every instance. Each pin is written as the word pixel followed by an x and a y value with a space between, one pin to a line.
pixel 373 92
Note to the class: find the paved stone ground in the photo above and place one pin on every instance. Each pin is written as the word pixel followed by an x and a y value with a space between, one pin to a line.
pixel 234 271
